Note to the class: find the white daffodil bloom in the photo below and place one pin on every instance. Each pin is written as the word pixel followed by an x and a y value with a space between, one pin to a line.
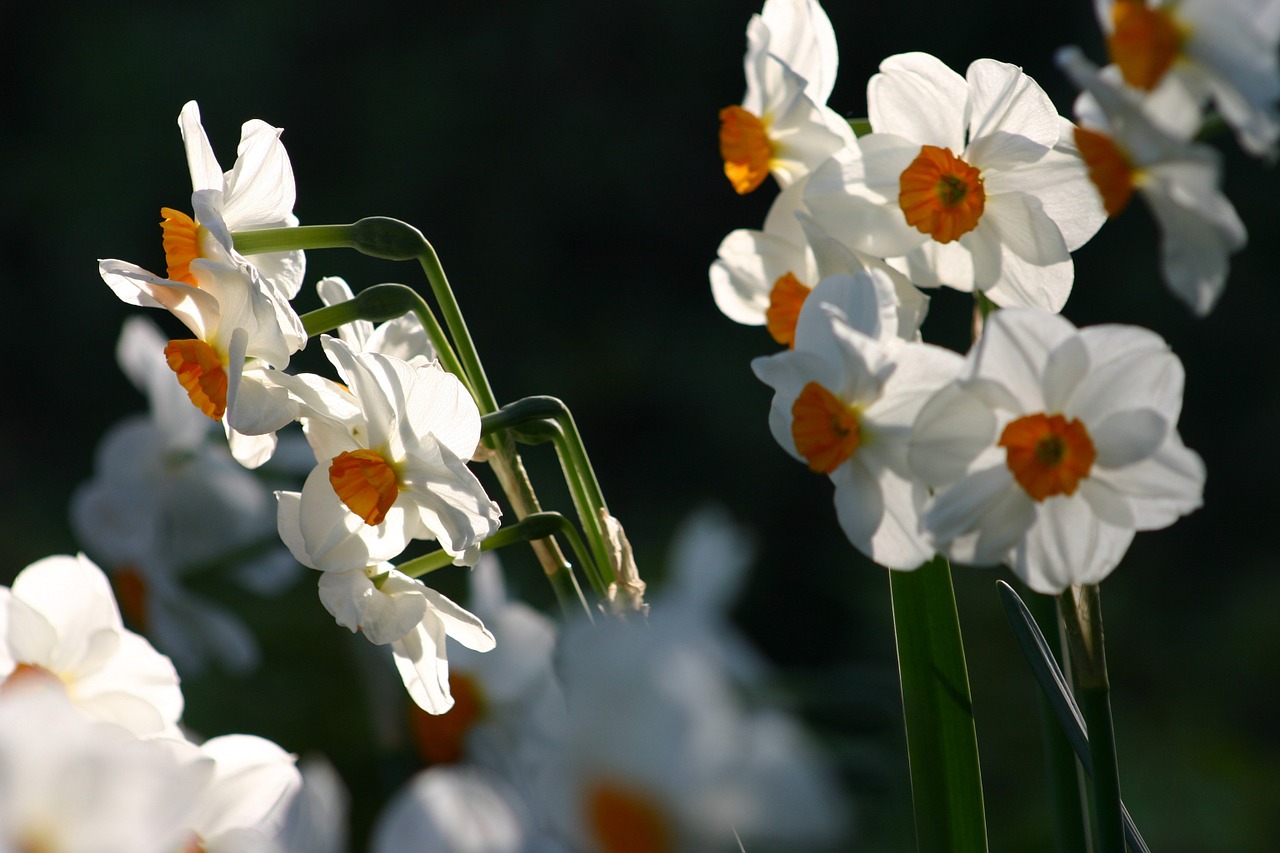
pixel 972 183
pixel 764 277
pixel 72 784
pixel 1053 447
pixel 258 192
pixel 392 465
pixel 234 316
pixel 390 608
pixel 662 754
pixel 165 501
pixel 1184 54
pixel 403 338
pixel 60 624
pixel 783 125
pixel 1126 151
pixel 844 403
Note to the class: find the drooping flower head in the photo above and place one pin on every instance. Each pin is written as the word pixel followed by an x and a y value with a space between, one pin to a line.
pixel 1053 447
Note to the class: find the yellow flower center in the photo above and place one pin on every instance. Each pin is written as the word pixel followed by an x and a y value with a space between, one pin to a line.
pixel 941 195
pixel 1144 42
pixel 365 482
pixel 745 147
pixel 181 239
pixel 441 738
pixel 201 372
pixel 1048 454
pixel 826 429
pixel 1109 169
pixel 785 301
pixel 623 820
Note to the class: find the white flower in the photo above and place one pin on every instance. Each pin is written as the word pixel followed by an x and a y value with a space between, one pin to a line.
pixel 968 182
pixel 1186 53
pixel 1053 447
pixel 75 785
pixel 247 797
pixel 392 464
pixel 165 501
pixel 844 403
pixel 764 277
pixel 60 622
pixel 1126 151
pixel 783 125
pixel 258 192
pixel 389 607
pixel 448 808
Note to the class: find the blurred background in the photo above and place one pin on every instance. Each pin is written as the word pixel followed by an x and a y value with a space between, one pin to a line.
pixel 562 157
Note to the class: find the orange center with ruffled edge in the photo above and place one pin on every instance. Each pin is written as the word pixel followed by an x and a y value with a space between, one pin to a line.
pixel 1109 168
pixel 745 147
pixel 201 372
pixel 441 738
pixel 785 301
pixel 1144 42
pixel 623 820
pixel 941 195
pixel 181 244
pixel 1048 454
pixel 825 428
pixel 365 482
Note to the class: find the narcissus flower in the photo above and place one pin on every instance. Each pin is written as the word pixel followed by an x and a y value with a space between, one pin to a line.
pixel 783 125
pixel 258 192
pixel 392 456
pixel 1187 53
pixel 843 404
pixel 404 337
pixel 1053 447
pixel 61 626
pixel 1126 151
pixel 764 277
pixel 970 182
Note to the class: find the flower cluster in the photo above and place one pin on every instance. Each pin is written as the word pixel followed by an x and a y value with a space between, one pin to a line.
pixel 1047 446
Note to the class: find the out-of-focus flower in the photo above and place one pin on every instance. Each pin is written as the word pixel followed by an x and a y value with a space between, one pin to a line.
pixel 71 784
pixel 453 808
pixel 389 607
pixel 1125 151
pixel 661 755
pixel 60 624
pixel 844 403
pixel 783 124
pixel 1053 447
pixel 764 277
pixel 1185 53
pixel 968 182
pixel 258 192
pixel 392 454
pixel 164 502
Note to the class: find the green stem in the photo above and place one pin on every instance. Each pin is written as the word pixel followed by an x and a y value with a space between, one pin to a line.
pixel 942 744
pixel 1082 618
pixel 1066 791
pixel 536 419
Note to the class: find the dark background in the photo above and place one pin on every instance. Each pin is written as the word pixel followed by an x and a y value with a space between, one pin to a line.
pixel 562 158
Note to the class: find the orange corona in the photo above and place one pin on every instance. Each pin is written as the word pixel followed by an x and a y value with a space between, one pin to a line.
pixel 745 147
pixel 1144 42
pixel 201 373
pixel 826 429
pixel 441 738
pixel 365 483
pixel 624 821
pixel 941 195
pixel 1048 454
pixel 181 239
pixel 1109 169
pixel 785 301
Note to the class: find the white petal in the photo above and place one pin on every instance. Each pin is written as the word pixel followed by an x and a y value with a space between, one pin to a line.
pixel 1124 438
pixel 916 96
pixel 1069 545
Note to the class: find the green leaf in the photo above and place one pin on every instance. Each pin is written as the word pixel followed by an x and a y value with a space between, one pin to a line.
pixel 942 744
